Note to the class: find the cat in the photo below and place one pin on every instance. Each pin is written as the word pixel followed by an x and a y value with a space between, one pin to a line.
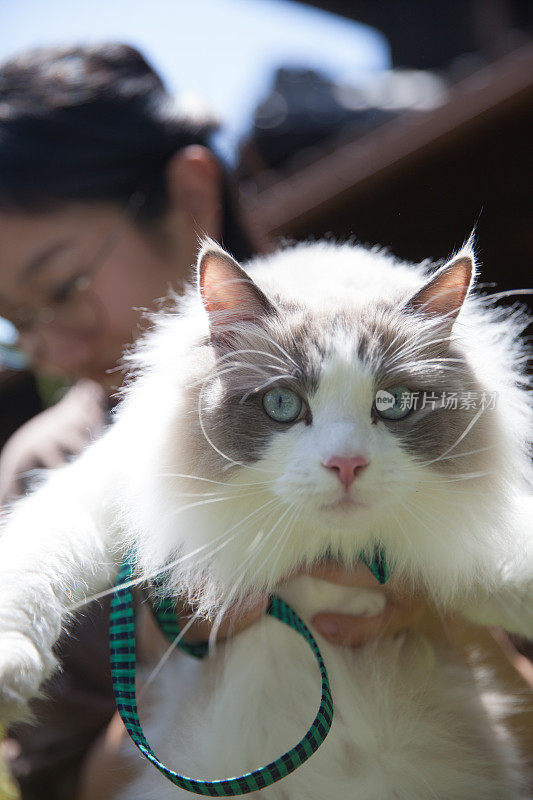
pixel 324 401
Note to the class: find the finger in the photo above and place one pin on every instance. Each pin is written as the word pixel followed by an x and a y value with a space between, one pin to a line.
pixel 11 487
pixel 53 457
pixel 88 393
pixel 75 442
pixel 342 629
pixel 357 575
pixel 235 620
pixel 95 401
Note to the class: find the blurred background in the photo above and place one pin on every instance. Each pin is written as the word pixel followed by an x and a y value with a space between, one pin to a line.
pixel 400 123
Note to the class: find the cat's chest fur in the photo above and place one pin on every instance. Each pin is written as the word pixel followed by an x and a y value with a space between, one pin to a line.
pixel 409 722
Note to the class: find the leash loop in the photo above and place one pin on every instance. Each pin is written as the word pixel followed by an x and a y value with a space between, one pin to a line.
pixel 122 654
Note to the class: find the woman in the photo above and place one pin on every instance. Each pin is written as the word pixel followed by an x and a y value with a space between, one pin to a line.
pixel 104 190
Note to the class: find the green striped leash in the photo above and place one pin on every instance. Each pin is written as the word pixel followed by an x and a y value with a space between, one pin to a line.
pixel 122 654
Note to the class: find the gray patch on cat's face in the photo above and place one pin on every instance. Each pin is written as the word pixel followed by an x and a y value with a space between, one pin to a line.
pixel 288 350
pixel 402 350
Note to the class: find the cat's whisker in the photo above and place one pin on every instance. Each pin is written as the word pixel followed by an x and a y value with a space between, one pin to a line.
pixel 208 502
pixel 419 520
pixel 211 480
pixel 425 365
pixel 164 658
pixel 250 351
pixel 468 453
pixel 280 543
pixel 465 476
pixel 391 344
pixel 233 592
pixel 230 365
pixel 414 345
pixel 508 293
pixel 150 576
pixel 254 554
pixel 457 441
pixel 232 491
pixel 219 373
pixel 403 531
pixel 442 360
pixel 428 370
pixel 285 538
pixel 452 457
pixel 262 386
pixel 244 568
pixel 173 564
pixel 270 379
pixel 106 592
pixel 434 515
pixel 228 466
pixel 425 484
pixel 231 461
pixel 409 355
pixel 270 340
pixel 210 554
pixel 273 501
pixel 433 487
pixel 219 617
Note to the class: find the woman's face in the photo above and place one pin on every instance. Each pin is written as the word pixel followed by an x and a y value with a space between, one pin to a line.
pixel 74 281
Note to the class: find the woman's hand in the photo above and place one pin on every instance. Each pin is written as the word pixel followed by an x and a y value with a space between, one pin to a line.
pixel 47 440
pixel 402 611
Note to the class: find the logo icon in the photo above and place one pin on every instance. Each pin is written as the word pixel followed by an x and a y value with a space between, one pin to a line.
pixel 384 400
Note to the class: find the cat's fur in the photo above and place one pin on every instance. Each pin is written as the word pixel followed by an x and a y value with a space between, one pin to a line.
pixel 193 472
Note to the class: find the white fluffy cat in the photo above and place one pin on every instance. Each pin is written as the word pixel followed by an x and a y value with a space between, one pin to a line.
pixel 250 442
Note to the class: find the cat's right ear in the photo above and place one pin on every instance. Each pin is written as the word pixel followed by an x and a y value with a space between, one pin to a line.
pixel 442 297
pixel 228 293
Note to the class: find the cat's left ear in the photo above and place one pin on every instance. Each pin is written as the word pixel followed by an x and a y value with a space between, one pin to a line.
pixel 442 298
pixel 228 293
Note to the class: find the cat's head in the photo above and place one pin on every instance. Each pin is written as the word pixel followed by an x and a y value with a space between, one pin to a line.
pixel 336 400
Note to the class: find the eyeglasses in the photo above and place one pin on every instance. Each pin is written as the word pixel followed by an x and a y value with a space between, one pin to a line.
pixel 75 306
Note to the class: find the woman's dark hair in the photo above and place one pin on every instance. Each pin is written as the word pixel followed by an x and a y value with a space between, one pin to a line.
pixel 92 124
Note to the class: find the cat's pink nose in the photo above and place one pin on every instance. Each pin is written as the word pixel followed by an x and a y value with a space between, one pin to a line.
pixel 347 469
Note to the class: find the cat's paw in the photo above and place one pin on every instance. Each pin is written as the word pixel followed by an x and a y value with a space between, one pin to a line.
pixel 22 670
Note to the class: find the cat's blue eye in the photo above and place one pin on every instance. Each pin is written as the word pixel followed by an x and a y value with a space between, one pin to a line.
pixel 394 403
pixel 282 404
